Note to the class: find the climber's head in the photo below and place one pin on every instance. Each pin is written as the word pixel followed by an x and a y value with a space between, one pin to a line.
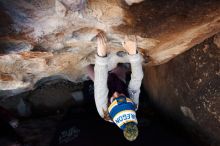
pixel 122 112
pixel 130 131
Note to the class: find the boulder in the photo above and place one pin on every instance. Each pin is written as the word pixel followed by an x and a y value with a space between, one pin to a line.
pixel 217 40
pixel 57 37
pixel 188 89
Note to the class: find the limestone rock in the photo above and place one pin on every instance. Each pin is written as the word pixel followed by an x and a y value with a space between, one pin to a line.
pixel 60 8
pixel 14 46
pixel 76 5
pixel 188 87
pixel 217 40
pixel 48 38
pixel 57 37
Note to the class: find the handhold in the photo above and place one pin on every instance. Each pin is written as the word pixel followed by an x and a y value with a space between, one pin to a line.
pixel 60 9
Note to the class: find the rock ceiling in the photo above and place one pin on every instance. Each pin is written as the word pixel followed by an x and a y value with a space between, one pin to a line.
pixel 42 38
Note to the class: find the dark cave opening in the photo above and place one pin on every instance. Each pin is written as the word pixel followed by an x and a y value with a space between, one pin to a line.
pixel 79 124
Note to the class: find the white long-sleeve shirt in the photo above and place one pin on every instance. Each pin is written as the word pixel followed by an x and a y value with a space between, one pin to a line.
pixel 101 77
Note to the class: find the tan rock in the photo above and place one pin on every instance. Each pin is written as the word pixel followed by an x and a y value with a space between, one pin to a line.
pixel 63 43
pixel 217 40
pixel 60 9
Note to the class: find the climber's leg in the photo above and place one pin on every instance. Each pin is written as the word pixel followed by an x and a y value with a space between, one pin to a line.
pixel 120 71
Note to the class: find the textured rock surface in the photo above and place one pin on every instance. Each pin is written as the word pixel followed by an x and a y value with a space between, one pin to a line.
pixel 55 39
pixel 217 40
pixel 50 96
pixel 45 38
pixel 188 88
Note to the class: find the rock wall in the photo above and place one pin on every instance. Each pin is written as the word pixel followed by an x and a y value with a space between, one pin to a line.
pixel 188 88
pixel 43 38
pixel 50 38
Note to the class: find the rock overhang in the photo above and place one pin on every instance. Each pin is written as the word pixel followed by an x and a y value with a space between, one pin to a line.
pixel 57 37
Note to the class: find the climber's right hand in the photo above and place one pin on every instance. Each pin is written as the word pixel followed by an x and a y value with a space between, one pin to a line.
pixel 130 44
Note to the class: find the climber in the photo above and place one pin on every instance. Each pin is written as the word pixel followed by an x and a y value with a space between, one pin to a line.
pixel 115 101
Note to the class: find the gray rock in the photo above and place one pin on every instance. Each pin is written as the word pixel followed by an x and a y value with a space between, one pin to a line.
pixel 14 47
